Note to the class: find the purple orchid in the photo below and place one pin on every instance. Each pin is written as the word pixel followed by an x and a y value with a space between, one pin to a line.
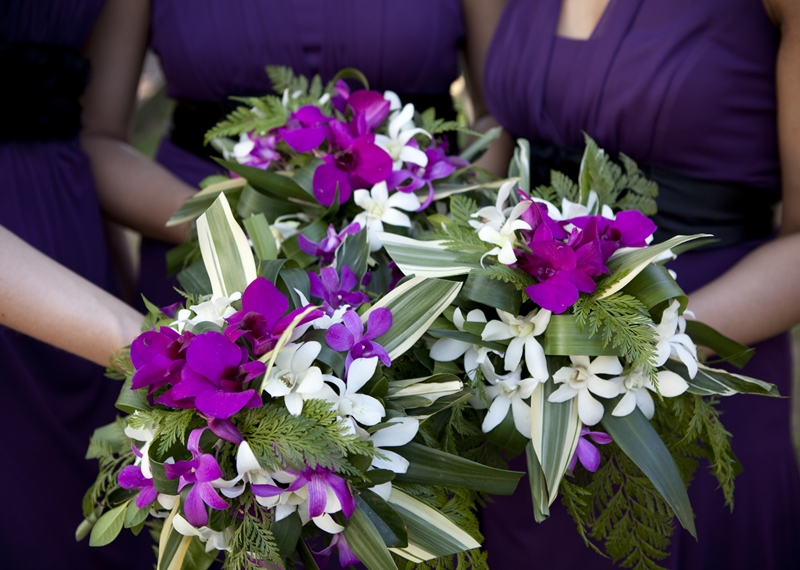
pixel 306 128
pixel 172 310
pixel 350 337
pixel 346 556
pixel 261 321
pixel 543 227
pixel 317 480
pixel 199 472
pixel 356 163
pixel 370 108
pixel 562 273
pixel 158 357
pixel 415 177
pixel 333 292
pixel 342 94
pixel 326 248
pixel 587 453
pixel 214 376
pixel 256 151
pixel 131 477
pixel 631 228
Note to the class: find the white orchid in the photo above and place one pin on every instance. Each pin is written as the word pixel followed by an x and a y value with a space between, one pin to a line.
pixel 294 377
pixel 351 405
pixel 214 310
pixel 401 131
pixel 523 332
pixel 214 540
pixel 448 349
pixel 581 380
pixel 637 387
pixel 248 470
pixel 379 207
pixel 146 436
pixel 673 340
pixel 397 432
pixel 493 226
pixel 508 391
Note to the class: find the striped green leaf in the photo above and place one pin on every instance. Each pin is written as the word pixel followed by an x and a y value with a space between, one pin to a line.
pixel 261 235
pixel 539 495
pixel 726 348
pixel 563 337
pixel 278 185
pixel 256 201
pixel 654 287
pixel 424 258
pixel 366 543
pixel 639 440
pixel 226 254
pixel 415 304
pixel 710 381
pixel 201 201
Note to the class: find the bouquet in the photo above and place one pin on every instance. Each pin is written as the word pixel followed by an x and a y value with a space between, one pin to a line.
pixel 348 377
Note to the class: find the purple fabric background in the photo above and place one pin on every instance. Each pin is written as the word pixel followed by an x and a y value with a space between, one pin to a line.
pixel 219 49
pixel 52 401
pixel 687 85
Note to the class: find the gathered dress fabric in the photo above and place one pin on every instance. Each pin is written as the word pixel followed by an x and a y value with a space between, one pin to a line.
pixel 213 49
pixel 52 401
pixel 688 86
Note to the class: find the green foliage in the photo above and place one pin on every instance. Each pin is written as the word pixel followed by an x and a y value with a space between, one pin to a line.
pixel 623 321
pixel 561 187
pixel 284 79
pixel 516 277
pixel 170 426
pixel 259 114
pixel 120 366
pixel 457 234
pixel 110 464
pixel 691 428
pixel 318 437
pixel 252 543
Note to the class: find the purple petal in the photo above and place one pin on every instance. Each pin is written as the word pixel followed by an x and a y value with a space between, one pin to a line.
pixel 224 429
pixel 579 279
pixel 371 104
pixel 346 556
pixel 207 469
pixel 380 352
pixel 599 437
pixel 146 496
pixel 306 245
pixel 374 164
pixel 339 338
pixel 352 321
pixel 342 492
pixel 330 279
pixel 326 179
pixel 555 294
pixel 378 322
pixel 211 497
pixel 193 444
pixel 349 279
pixel 252 370
pixel 131 477
pixel 310 115
pixel 212 354
pixel 195 508
pixel 588 455
pixel 317 496
pixel 634 228
pixel 262 297
pixel 303 139
pixel 177 469
pixel 222 405
pixel 191 385
pixel 265 490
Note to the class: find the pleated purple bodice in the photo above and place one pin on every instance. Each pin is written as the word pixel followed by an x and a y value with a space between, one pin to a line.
pixel 652 73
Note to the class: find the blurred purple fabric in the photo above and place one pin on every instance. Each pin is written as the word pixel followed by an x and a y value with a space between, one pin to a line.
pixel 52 401
pixel 690 86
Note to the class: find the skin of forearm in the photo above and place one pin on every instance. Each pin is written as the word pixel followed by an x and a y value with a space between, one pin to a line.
pixel 135 191
pixel 45 300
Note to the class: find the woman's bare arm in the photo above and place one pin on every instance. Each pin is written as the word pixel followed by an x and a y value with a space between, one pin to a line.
pixel 133 190
pixel 45 300
pixel 760 297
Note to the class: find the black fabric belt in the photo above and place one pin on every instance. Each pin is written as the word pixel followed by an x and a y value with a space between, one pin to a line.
pixel 733 213
pixel 192 119
pixel 41 87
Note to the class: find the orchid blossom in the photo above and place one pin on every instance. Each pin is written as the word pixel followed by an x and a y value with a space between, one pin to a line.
pixel 673 340
pixel 351 405
pixel 587 453
pixel 581 380
pixel 294 377
pixel 215 310
pixel 214 540
pixel 158 357
pixel 508 391
pixel 255 151
pixel 499 230
pixel 395 432
pixel 334 292
pixel 449 349
pixel 305 129
pixel 523 332
pixel 131 477
pixel 346 556
pixel 401 131
pixel 349 336
pixel 326 248
pixel 636 387
pixel 380 208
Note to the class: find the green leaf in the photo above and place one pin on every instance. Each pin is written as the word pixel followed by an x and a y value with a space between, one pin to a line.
pixel 654 287
pixel 366 543
pixel 484 289
pixel 507 436
pixel 476 149
pixel 113 436
pixel 108 526
pixel 555 429
pixel 306 557
pixel 171 548
pixel 351 73
pixel 726 348
pixel 564 337
pixel 304 176
pixel 271 269
pixel 386 521
pixel 354 253
pixel 194 279
pixel 296 280
pixel 710 381
pixel 130 400
pixel 261 235
pixel 287 532
pixel 135 516
pixel 430 466
pixel 520 165
pixel 424 258
pixel 258 201
pixel 278 185
pixel 429 531
pixel 414 305
pixel 539 495
pixel 226 254
pixel 641 443
pixel 201 201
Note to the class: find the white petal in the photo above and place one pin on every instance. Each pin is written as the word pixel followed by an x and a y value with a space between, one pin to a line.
pixel 183 527
pixel 507 255
pixel 304 356
pixel 497 413
pixel 380 193
pixel 393 462
pixel 401 119
pixel 645 402
pixel 503 193
pixel 663 350
pixel 496 330
pixel 362 198
pixel 312 382
pixel 400 432
pixel 167 501
pixel 404 200
pixel 522 416
pixel 626 405
pixel 514 354
pixel 476 316
pixel 246 460
pixel 412 155
pixel 361 370
pixel 448 349
pixel 606 365
pixel 383 490
pixel 580 361
pixel 687 358
pixel 294 403
pixel 590 410
pixel 366 409
pixel 326 523
pixel 536 359
pixel 458 319
pixel 396 218
pixel 671 384
pixel 564 393
pixel 540 321
pixel 603 388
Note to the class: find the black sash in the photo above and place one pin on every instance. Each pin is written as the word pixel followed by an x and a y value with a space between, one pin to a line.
pixel 732 212
pixel 41 86
pixel 192 119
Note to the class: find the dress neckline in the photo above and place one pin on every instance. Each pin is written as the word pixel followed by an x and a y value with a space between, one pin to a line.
pixel 598 27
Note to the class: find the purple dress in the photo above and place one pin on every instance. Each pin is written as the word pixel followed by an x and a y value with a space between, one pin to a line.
pixel 218 49
pixel 690 86
pixel 52 401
